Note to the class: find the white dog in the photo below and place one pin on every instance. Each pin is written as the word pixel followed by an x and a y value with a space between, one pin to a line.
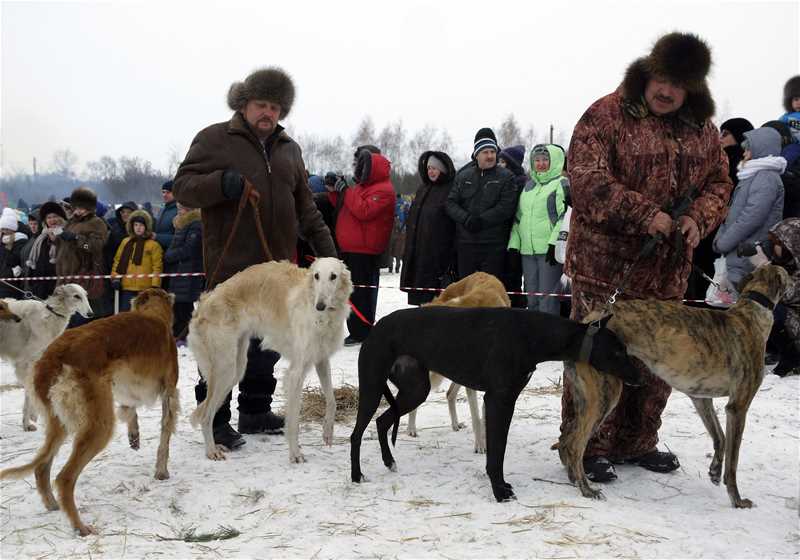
pixel 42 322
pixel 297 312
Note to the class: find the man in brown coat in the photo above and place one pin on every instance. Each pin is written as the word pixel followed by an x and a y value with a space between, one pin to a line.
pixel 635 155
pixel 79 250
pixel 253 146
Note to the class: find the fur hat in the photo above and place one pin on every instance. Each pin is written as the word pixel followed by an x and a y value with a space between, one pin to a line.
pixel 52 208
pixel 83 197
pixel 271 84
pixel 790 90
pixel 9 219
pixel 142 217
pixel 682 58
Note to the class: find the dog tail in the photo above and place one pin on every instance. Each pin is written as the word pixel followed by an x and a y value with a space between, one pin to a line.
pixel 47 450
pixel 396 411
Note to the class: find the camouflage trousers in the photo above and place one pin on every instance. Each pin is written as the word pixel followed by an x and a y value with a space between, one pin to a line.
pixel 631 429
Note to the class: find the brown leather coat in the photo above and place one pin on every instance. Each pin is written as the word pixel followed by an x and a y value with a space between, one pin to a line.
pixel 278 174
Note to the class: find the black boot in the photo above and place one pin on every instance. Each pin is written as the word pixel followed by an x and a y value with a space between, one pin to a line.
pixel 227 436
pixel 261 423
pixel 656 461
pixel 599 469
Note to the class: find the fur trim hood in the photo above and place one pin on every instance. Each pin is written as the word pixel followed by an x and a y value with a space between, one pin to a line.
pixel 682 58
pixel 183 220
pixel 83 197
pixel 791 89
pixel 148 222
pixel 271 84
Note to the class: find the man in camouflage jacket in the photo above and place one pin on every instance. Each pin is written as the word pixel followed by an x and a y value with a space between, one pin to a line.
pixel 634 154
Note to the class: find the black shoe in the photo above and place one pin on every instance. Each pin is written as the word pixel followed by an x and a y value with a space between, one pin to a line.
pixel 599 469
pixel 227 436
pixel 350 341
pixel 786 367
pixel 261 423
pixel 656 461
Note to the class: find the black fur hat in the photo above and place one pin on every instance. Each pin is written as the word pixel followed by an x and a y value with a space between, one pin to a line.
pixel 271 84
pixel 83 197
pixel 682 58
pixel 790 90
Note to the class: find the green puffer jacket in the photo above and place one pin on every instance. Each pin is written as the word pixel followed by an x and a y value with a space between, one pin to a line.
pixel 541 208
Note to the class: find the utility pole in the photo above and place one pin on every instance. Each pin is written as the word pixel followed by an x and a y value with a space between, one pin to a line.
pixel 551 133
pixel 34 168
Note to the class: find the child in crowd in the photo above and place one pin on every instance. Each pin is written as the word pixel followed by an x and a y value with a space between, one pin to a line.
pixel 791 103
pixel 138 253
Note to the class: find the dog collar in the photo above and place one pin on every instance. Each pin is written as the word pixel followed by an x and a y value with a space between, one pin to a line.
pixel 760 299
pixel 54 312
pixel 587 343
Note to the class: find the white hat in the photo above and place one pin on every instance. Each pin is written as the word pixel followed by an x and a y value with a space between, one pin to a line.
pixel 8 220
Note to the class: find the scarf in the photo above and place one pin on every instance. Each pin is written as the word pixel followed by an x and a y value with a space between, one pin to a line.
pixel 766 163
pixel 36 249
pixel 135 245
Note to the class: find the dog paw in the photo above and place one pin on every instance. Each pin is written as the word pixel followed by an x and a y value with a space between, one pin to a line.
pixel 51 504
pixel 133 441
pixel 162 475
pixel 29 428
pixel 589 492
pixel 86 530
pixel 359 479
pixel 412 433
pixel 458 426
pixel 217 454
pixel 393 466
pixel 503 492
pixel 297 458
pixel 480 448
pixel 743 503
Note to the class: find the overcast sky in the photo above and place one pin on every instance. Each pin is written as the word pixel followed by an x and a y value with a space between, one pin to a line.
pixel 142 78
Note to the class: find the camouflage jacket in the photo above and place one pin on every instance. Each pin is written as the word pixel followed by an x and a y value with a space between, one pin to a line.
pixel 625 165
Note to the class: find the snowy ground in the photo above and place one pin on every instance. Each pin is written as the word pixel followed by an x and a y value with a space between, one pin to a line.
pixel 439 503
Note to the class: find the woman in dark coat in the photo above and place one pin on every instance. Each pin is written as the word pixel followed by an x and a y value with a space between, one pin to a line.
pixel 429 259
pixel 185 254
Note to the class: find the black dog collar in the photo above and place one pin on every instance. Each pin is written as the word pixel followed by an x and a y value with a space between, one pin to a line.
pixel 587 343
pixel 54 312
pixel 760 299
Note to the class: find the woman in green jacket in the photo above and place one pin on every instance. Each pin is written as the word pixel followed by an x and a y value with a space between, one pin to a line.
pixel 536 225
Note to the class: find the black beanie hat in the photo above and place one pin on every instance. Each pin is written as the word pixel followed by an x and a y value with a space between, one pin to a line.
pixel 737 127
pixel 484 139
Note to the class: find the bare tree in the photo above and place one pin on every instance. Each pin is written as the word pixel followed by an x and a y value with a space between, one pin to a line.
pixel 64 162
pixel 104 169
pixel 509 132
pixel 365 134
pixel 174 160
pixel 391 141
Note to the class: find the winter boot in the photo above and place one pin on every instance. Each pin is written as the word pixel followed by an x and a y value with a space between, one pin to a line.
pixel 656 461
pixel 599 469
pixel 227 436
pixel 261 423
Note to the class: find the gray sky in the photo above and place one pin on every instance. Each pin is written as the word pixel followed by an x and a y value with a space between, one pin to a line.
pixel 141 78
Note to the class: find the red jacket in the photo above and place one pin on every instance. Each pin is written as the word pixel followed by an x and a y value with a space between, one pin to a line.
pixel 365 220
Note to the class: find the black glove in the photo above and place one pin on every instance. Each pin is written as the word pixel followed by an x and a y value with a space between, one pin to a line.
pixel 116 284
pixel 550 257
pixel 67 235
pixel 232 184
pixel 473 224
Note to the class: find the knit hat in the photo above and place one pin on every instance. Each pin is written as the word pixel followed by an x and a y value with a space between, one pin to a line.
pixel 485 139
pixel 540 150
pixel 83 197
pixel 52 208
pixel 737 127
pixel 436 163
pixel 791 90
pixel 9 219
pixel 331 178
pixel 270 84
pixel 167 186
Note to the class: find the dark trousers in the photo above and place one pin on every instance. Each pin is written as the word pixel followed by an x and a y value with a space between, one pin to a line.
pixel 364 269
pixel 486 258
pixel 631 429
pixel 182 312
pixel 256 388
pixel 125 299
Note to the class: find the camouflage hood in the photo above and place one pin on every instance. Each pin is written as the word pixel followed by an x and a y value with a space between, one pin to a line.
pixel 788 233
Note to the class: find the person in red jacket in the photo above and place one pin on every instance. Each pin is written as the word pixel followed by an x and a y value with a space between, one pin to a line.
pixel 363 227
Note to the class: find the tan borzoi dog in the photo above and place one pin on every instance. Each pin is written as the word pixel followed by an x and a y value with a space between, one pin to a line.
pixel 42 322
pixel 297 312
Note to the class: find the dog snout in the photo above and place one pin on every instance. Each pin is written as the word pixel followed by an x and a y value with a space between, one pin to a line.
pixel 321 306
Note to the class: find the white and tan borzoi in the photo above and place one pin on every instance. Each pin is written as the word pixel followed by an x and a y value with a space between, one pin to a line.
pixel 299 313
pixel 23 342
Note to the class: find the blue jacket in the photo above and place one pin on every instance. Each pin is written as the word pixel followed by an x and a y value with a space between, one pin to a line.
pixel 164 229
pixel 185 254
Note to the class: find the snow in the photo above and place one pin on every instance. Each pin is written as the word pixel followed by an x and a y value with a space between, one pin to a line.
pixel 437 505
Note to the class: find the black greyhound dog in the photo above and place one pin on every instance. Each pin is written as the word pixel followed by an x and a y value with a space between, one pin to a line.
pixel 494 350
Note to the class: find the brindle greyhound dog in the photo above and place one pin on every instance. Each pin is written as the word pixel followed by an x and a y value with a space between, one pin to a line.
pixel 494 350
pixel 701 352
